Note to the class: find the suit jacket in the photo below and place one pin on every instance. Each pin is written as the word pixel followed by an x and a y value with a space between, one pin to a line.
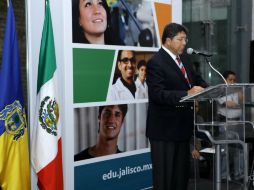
pixel 167 119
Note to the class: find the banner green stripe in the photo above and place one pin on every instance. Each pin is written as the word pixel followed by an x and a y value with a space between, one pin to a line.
pixel 91 74
pixel 47 58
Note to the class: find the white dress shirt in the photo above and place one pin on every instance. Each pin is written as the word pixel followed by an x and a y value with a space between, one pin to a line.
pixel 230 113
pixel 142 89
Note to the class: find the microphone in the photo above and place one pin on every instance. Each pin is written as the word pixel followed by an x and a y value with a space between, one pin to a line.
pixel 192 51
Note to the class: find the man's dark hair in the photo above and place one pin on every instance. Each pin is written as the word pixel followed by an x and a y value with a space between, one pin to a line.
pixel 122 107
pixel 120 53
pixel 227 73
pixel 171 30
pixel 141 63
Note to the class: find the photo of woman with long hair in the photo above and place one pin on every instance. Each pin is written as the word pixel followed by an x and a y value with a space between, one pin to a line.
pixel 91 23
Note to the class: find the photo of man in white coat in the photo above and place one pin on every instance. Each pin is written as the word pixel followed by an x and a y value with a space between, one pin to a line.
pixel 124 88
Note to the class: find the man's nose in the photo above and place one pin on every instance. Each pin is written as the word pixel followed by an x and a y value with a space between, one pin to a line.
pixel 130 64
pixel 112 117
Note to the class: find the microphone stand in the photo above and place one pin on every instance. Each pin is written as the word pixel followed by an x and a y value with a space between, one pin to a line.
pixel 209 63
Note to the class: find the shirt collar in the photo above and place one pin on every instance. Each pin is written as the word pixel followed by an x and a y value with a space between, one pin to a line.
pixel 131 87
pixel 169 52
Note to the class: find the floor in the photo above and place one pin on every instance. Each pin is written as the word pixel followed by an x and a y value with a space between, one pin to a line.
pixel 206 179
pixel 205 184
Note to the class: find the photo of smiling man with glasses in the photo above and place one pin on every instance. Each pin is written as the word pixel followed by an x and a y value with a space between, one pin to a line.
pixel 124 88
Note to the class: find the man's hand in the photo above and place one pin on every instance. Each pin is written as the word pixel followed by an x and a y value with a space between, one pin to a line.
pixel 195 154
pixel 195 89
pixel 231 104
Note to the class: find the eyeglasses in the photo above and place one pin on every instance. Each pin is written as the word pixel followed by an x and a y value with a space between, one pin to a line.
pixel 182 39
pixel 127 60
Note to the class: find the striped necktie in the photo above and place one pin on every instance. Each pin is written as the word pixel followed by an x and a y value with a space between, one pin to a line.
pixel 181 67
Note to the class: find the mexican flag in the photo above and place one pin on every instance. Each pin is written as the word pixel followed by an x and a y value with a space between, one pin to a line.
pixel 46 141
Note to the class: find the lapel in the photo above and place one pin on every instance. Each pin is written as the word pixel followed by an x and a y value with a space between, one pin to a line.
pixel 169 62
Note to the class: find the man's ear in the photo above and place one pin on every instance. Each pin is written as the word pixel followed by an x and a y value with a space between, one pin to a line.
pixel 168 41
pixel 99 127
pixel 123 120
pixel 118 65
pixel 98 124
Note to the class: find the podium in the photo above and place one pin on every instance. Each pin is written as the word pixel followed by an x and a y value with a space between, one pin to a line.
pixel 223 113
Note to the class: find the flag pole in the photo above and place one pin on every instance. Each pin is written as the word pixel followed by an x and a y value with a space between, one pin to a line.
pixel 7 3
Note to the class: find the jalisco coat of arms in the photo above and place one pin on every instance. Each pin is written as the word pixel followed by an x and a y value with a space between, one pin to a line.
pixel 14 119
pixel 49 115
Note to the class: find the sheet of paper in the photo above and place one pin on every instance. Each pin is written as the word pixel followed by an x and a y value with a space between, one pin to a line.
pixel 208 150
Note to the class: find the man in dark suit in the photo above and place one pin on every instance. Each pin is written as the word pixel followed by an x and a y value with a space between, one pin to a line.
pixel 170 123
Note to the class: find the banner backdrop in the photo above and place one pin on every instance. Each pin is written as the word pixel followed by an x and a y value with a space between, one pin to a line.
pixel 99 76
pixel 102 47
